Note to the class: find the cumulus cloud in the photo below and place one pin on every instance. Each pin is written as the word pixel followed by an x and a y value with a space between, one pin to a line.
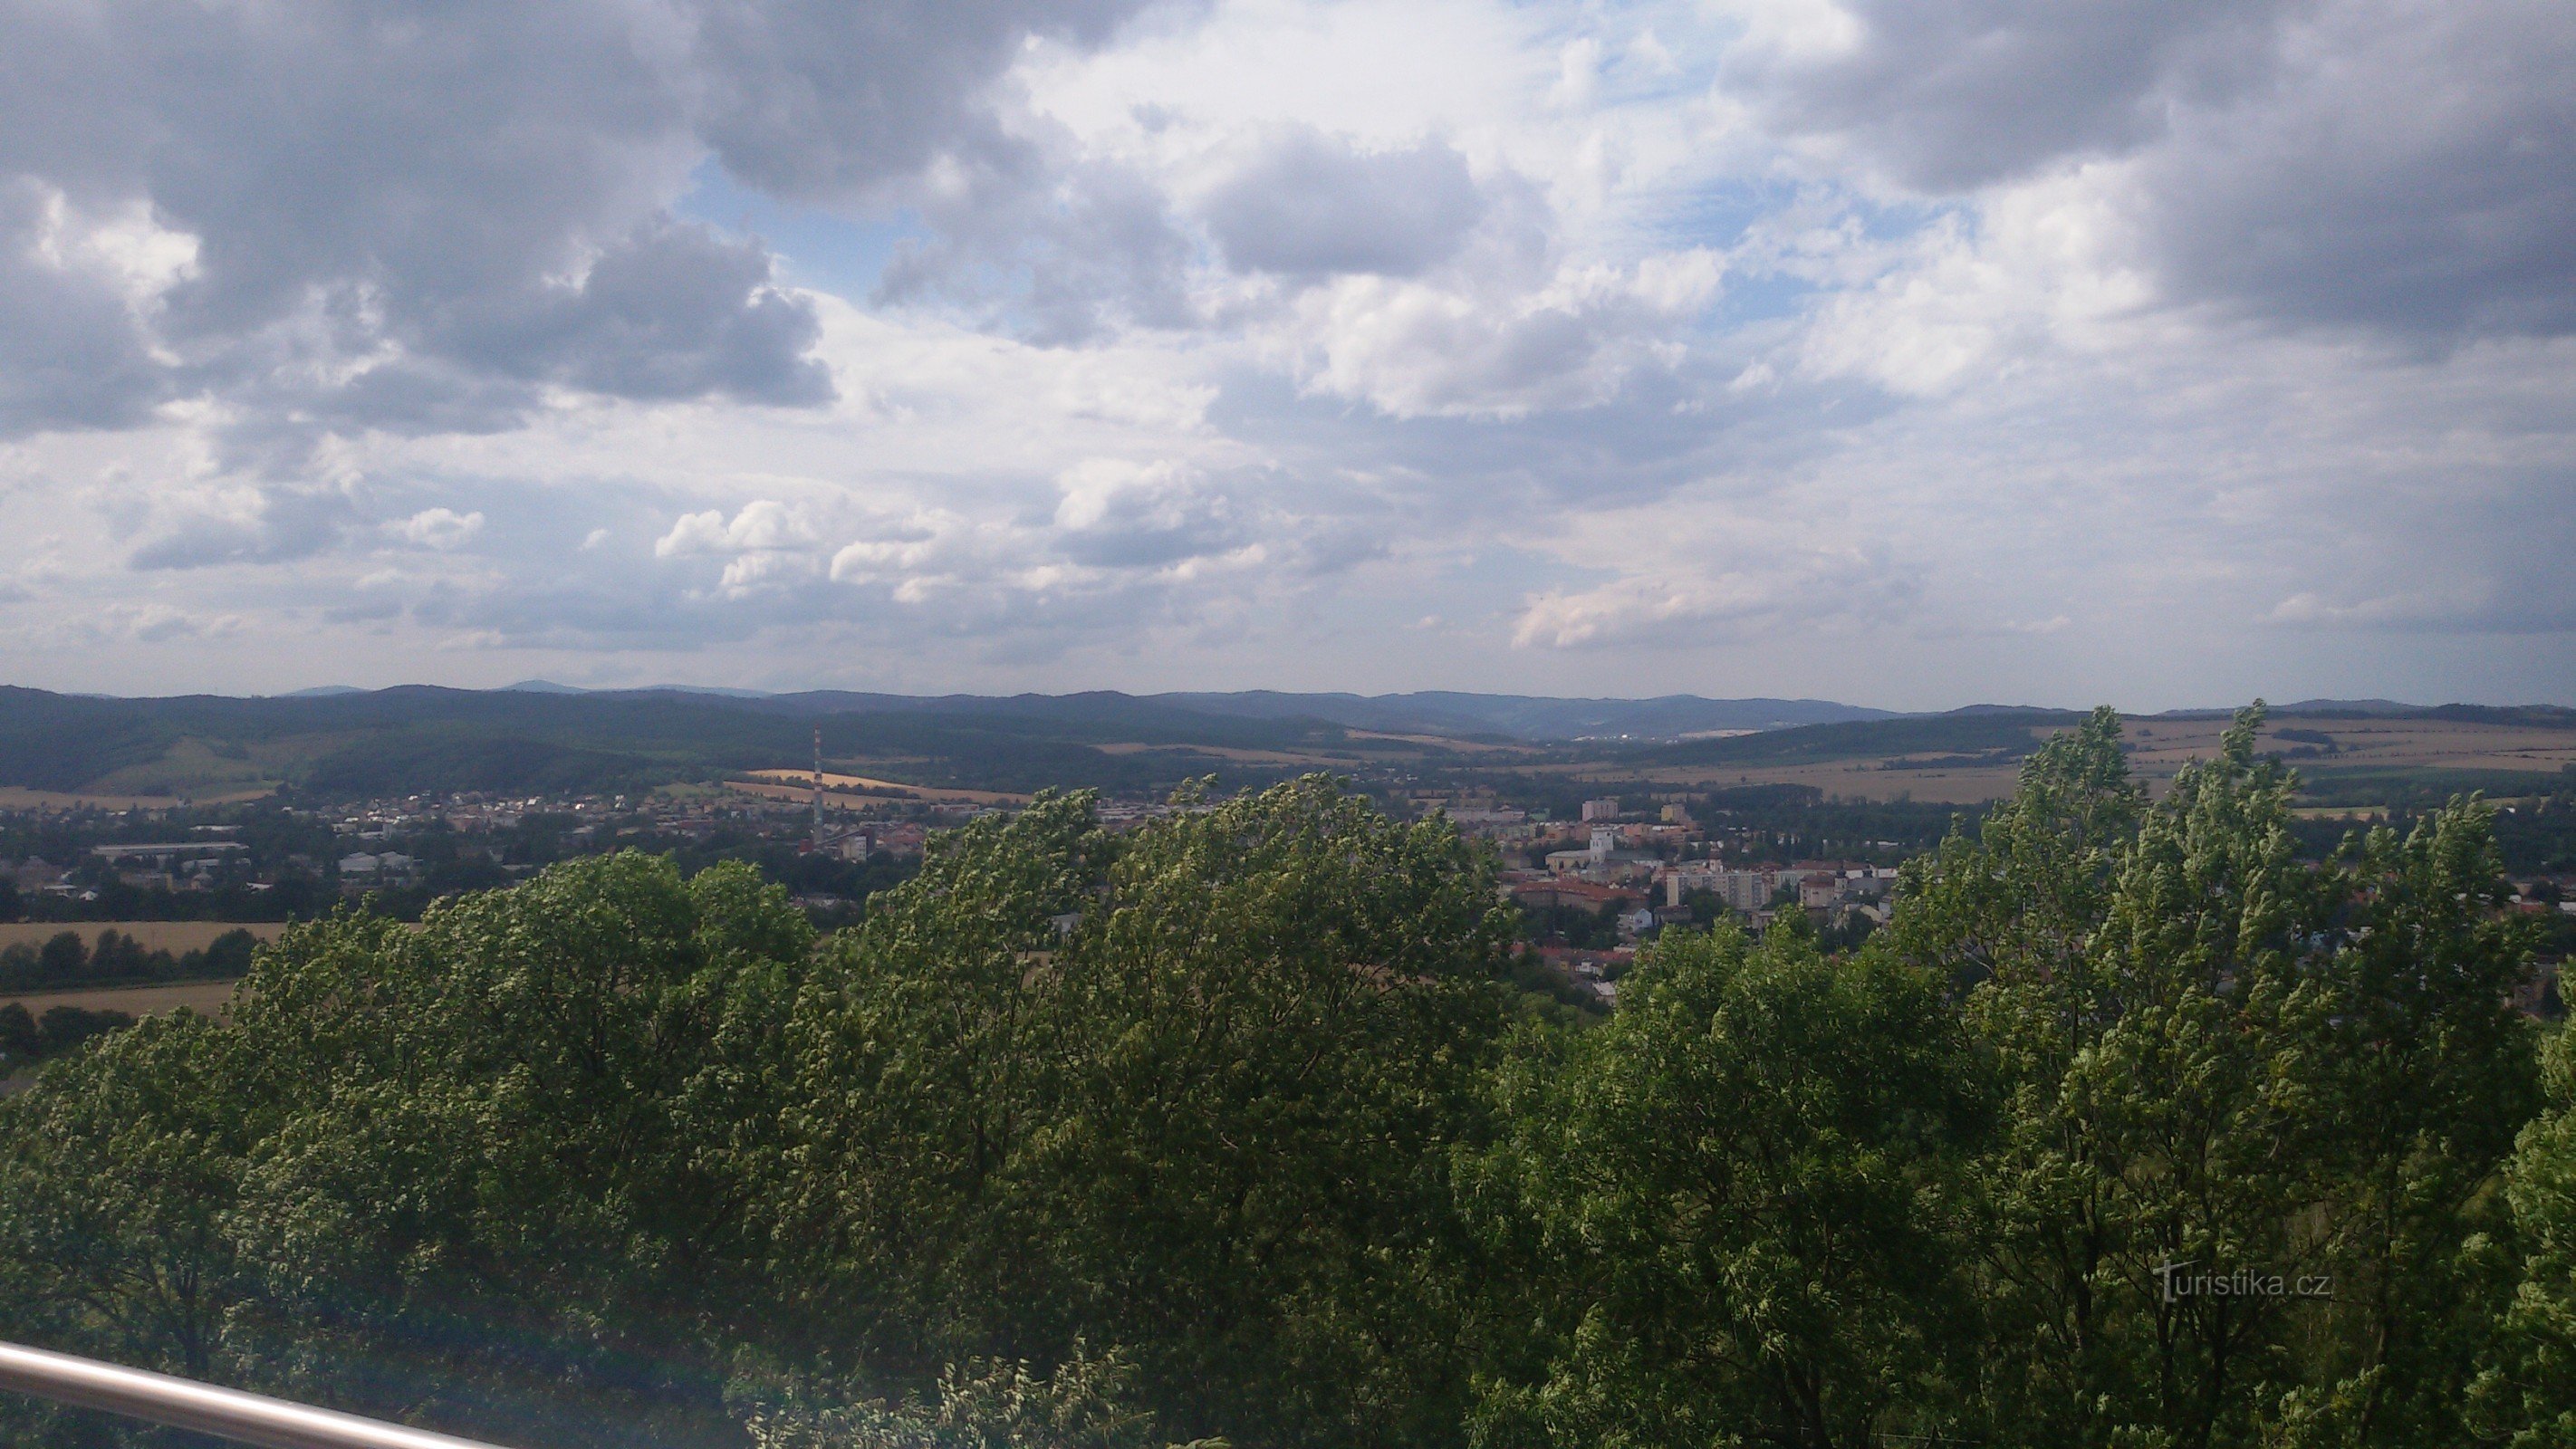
pixel 818 98
pixel 72 351
pixel 1950 94
pixel 2409 170
pixel 1116 514
pixel 2405 169
pixel 1817 346
pixel 765 543
pixel 1804 587
pixel 1059 248
pixel 245 525
pixel 422 221
pixel 1307 204
pixel 1471 349
pixel 440 528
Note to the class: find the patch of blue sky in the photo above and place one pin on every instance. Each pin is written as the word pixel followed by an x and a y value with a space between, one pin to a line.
pixel 827 251
pixel 1719 213
pixel 1759 297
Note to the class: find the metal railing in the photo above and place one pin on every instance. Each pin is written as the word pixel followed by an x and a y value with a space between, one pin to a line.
pixel 186 1404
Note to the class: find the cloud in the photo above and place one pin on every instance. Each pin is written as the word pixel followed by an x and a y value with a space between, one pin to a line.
pixel 439 528
pixel 2469 607
pixel 823 98
pixel 1500 351
pixel 671 311
pixel 2402 169
pixel 2409 170
pixel 153 623
pixel 246 524
pixel 423 222
pixel 1804 588
pixel 765 544
pixel 72 352
pixel 1890 351
pixel 1055 247
pixel 1954 94
pixel 1310 205
pixel 1116 514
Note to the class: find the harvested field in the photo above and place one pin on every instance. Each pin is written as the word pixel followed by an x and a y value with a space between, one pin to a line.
pixel 2319 748
pixel 14 797
pixel 203 997
pixel 1303 759
pixel 176 937
pixel 798 785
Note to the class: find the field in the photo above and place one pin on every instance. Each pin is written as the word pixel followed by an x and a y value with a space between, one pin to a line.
pixel 1864 779
pixel 2337 756
pixel 176 937
pixel 204 997
pixel 17 797
pixel 799 785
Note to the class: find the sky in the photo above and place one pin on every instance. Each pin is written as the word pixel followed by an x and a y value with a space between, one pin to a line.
pixel 1911 353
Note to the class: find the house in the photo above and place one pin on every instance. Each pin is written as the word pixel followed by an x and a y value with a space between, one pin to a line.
pixel 1600 810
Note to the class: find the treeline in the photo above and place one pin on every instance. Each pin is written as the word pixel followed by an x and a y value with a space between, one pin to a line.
pixel 66 959
pixel 26 1037
pixel 2132 1129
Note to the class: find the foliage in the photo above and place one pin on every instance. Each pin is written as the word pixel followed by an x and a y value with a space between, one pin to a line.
pixel 1742 1183
pixel 65 959
pixel 985 1404
pixel 1235 1125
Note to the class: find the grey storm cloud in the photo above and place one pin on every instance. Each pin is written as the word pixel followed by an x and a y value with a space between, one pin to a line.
pixel 468 198
pixel 824 97
pixel 70 352
pixel 1957 93
pixel 288 523
pixel 2402 168
pixel 671 311
pixel 1056 249
pixel 1310 204
pixel 2412 170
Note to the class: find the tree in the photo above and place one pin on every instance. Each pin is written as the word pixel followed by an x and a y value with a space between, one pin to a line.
pixel 2525 1393
pixel 18 1039
pixel 1188 1091
pixel 1743 1185
pixel 2216 1060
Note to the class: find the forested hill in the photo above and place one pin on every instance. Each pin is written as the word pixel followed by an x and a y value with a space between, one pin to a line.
pixel 552 739
pixel 420 738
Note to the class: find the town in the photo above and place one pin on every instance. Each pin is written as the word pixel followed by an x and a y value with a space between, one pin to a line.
pixel 1593 880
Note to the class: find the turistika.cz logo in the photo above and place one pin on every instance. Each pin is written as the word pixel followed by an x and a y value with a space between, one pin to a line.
pixel 2243 1283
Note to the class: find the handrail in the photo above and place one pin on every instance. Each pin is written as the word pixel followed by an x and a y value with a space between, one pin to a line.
pixel 186 1404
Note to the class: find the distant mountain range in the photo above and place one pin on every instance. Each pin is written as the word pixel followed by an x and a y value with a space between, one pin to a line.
pixel 337 743
pixel 1510 716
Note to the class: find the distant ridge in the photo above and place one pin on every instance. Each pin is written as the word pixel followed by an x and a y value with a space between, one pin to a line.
pixel 322 691
pixel 2350 706
pixel 1529 717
